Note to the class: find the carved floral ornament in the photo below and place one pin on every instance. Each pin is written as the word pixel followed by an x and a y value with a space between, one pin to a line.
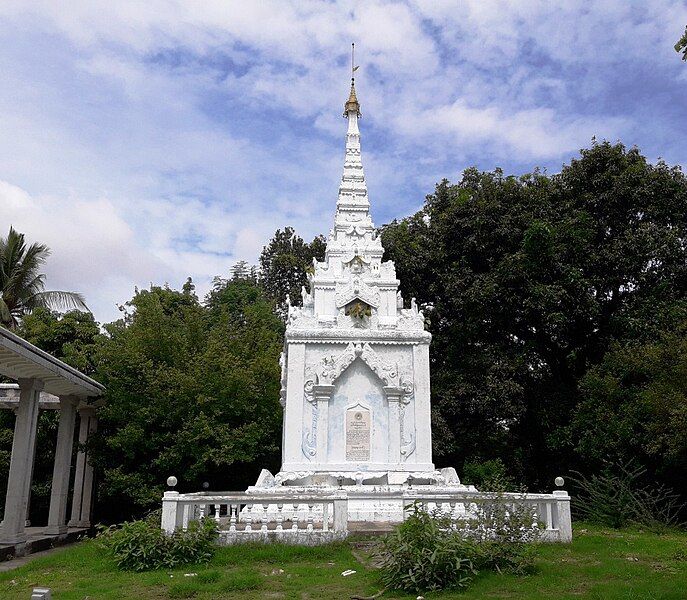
pixel 332 367
pixel 357 288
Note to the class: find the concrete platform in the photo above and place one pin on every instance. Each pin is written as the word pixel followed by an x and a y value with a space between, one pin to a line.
pixel 38 540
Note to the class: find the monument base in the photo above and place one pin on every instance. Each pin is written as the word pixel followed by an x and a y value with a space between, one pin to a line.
pixel 373 496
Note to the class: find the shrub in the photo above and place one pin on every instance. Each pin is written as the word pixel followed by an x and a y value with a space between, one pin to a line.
pixel 143 546
pixel 432 551
pixel 425 553
pixel 616 498
pixel 506 531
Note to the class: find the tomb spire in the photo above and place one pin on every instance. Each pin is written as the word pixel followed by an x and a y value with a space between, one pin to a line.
pixel 353 228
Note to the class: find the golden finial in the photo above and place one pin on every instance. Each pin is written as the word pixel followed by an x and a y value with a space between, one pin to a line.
pixel 352 104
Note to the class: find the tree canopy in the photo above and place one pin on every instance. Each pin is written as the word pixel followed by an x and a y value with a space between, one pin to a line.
pixel 530 280
pixel 284 264
pixel 192 391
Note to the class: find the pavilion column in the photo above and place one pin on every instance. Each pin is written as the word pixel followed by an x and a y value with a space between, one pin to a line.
pixel 21 462
pixel 59 493
pixel 83 476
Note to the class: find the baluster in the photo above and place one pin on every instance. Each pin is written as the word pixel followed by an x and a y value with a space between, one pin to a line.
pixel 249 517
pixel 280 517
pixel 325 516
pixel 185 516
pixel 216 507
pixel 233 513
pixel 310 517
pixel 294 524
pixel 452 510
pixel 264 517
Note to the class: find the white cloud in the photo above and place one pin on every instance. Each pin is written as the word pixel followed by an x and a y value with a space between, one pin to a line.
pixel 146 141
pixel 533 133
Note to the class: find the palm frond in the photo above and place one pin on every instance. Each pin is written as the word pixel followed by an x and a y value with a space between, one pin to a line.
pixel 57 300
pixel 6 318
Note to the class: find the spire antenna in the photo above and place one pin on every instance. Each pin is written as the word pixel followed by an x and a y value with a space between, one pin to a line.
pixel 352 61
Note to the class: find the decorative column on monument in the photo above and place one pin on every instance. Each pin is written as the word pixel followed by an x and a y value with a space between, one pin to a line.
pixel 355 368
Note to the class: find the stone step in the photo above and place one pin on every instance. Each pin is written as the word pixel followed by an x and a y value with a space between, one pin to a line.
pixel 370 527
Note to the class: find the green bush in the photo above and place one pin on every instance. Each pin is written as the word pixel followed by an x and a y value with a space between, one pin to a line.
pixel 143 546
pixel 506 532
pixel 425 553
pixel 432 551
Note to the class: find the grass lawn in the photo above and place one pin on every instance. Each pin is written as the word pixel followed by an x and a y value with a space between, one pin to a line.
pixel 603 564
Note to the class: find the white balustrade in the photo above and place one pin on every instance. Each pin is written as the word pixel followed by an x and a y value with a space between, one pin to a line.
pixel 309 520
pixel 551 511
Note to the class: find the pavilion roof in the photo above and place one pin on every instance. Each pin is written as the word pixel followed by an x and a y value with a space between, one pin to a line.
pixel 20 359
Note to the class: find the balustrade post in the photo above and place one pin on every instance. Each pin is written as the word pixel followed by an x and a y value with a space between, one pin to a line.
pixel 563 516
pixel 170 502
pixel 340 515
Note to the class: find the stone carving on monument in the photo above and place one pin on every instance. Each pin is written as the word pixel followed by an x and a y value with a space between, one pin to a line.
pixel 355 369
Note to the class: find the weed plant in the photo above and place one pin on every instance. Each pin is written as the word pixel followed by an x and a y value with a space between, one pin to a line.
pixel 616 497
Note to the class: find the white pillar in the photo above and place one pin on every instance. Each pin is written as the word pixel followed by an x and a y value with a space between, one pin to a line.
pixel 21 463
pixel 59 493
pixel 170 512
pixel 83 476
pixel 393 396
pixel 322 394
pixel 423 424
pixel 293 413
pixel 564 520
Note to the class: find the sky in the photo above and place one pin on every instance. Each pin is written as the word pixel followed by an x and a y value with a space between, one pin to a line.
pixel 146 142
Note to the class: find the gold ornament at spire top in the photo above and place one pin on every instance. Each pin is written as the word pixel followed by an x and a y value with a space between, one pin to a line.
pixel 352 104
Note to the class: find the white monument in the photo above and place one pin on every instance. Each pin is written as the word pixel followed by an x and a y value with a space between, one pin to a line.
pixel 355 369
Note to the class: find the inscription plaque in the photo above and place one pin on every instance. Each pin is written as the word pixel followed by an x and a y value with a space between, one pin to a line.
pixel 357 434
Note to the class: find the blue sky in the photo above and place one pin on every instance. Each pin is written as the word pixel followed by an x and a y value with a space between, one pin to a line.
pixel 149 141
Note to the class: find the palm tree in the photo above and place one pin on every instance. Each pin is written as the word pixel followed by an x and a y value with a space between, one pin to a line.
pixel 21 284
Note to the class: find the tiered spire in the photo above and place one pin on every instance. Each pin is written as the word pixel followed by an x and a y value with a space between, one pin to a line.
pixel 353 190
pixel 353 231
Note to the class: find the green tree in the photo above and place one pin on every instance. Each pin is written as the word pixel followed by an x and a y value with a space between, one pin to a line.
pixel 22 285
pixel 284 265
pixel 192 390
pixel 681 45
pixel 634 407
pixel 530 279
